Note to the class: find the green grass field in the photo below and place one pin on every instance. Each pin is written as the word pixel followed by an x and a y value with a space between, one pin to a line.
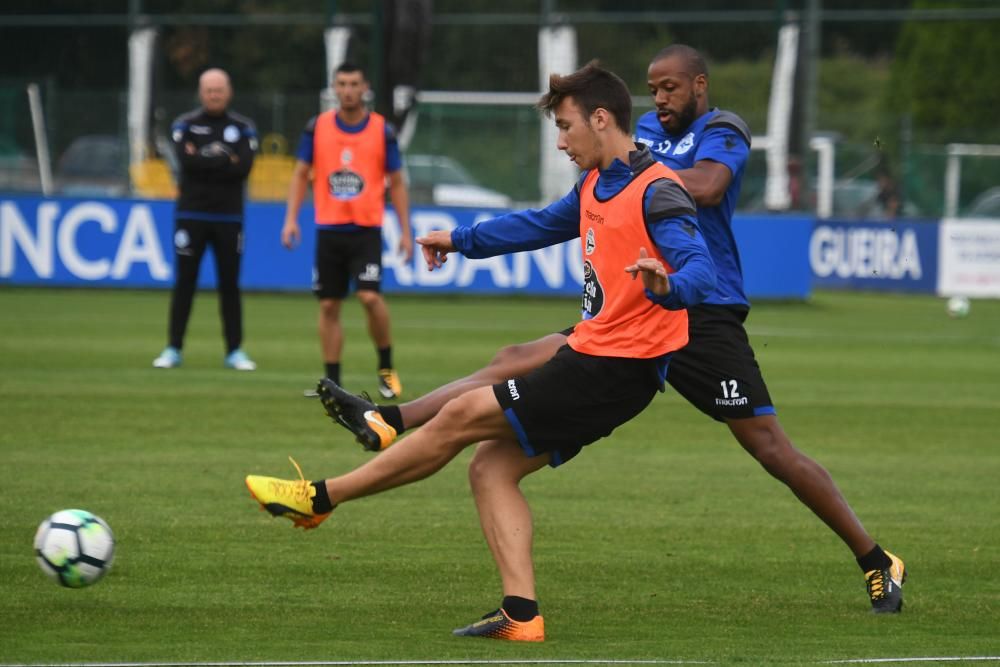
pixel 664 542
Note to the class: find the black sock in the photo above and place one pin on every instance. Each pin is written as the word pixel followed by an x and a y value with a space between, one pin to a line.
pixel 874 560
pixel 385 357
pixel 392 416
pixel 520 609
pixel 333 371
pixel 321 501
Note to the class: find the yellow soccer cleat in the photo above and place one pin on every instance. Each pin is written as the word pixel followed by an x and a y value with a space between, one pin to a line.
pixel 388 383
pixel 290 498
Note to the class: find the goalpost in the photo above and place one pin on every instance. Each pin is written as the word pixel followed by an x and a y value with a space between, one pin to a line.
pixel 953 171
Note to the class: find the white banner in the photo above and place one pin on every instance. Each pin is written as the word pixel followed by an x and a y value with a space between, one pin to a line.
pixel 969 258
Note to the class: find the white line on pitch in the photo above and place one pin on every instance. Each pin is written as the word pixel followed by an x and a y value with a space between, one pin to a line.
pixel 954 658
pixel 354 663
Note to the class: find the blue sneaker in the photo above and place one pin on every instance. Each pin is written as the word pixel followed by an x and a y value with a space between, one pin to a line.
pixel 169 358
pixel 238 360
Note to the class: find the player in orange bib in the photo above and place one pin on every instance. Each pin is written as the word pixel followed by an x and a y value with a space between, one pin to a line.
pixel 351 152
pixel 645 261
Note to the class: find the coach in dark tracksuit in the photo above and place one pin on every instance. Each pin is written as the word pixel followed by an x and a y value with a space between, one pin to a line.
pixel 215 148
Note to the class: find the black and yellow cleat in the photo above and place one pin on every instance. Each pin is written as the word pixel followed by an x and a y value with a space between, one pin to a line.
pixel 357 414
pixel 388 383
pixel 885 586
pixel 498 625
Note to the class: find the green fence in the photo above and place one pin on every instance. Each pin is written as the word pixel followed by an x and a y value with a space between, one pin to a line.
pixel 498 145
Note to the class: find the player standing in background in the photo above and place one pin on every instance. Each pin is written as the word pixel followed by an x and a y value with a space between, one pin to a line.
pixel 215 149
pixel 717 371
pixel 351 151
pixel 633 218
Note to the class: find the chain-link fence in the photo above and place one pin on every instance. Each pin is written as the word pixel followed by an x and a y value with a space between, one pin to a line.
pixel 882 165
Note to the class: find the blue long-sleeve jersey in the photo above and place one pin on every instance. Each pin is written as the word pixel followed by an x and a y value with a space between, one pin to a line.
pixel 676 235
pixel 723 137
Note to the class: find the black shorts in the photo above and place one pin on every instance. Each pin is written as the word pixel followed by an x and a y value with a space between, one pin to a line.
pixel 716 371
pixel 346 256
pixel 574 399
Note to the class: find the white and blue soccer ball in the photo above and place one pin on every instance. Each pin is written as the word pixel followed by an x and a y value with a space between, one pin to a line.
pixel 75 548
pixel 958 307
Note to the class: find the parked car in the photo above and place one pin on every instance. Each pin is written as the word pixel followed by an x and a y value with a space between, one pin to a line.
pixel 19 173
pixel 442 181
pixel 94 165
pixel 853 199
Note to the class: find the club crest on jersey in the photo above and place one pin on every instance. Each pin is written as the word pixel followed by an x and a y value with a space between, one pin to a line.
pixel 231 134
pixel 345 184
pixel 685 144
pixel 590 242
pixel 346 156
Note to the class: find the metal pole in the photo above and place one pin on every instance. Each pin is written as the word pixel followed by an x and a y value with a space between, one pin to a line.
pixel 41 140
pixel 952 178
pixel 825 150
pixel 378 46
pixel 809 80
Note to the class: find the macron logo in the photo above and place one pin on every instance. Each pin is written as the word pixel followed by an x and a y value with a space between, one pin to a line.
pixel 594 217
pixel 513 390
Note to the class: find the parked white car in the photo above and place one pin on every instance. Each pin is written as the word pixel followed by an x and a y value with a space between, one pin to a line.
pixel 442 181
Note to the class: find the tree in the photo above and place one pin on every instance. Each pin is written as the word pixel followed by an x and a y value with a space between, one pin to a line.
pixel 944 76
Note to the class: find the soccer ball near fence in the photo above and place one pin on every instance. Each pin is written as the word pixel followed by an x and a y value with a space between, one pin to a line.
pixel 958 306
pixel 74 547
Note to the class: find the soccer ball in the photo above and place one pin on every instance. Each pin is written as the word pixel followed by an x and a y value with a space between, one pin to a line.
pixel 74 547
pixel 958 306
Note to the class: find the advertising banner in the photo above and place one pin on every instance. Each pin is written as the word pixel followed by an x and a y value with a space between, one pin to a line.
pixel 129 243
pixel 775 256
pixel 887 256
pixel 969 258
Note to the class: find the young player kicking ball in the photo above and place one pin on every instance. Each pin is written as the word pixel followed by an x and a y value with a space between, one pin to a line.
pixel 634 219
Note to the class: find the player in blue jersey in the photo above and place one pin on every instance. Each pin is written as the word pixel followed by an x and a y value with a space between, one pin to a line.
pixel 717 371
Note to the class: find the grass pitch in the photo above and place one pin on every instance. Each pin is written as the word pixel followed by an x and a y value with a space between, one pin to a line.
pixel 665 541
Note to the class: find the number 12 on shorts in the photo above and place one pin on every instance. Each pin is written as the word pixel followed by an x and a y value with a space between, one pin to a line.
pixel 729 389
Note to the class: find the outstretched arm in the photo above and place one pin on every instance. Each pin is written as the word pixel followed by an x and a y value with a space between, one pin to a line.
pixel 521 230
